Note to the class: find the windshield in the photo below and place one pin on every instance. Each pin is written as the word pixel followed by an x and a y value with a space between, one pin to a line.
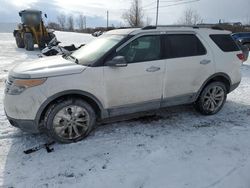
pixel 94 50
pixel 31 18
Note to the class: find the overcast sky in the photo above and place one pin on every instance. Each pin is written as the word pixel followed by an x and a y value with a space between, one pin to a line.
pixel 210 10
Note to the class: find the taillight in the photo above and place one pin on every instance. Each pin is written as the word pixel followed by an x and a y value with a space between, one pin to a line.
pixel 241 57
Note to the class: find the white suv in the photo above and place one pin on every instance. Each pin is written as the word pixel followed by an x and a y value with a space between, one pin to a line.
pixel 123 72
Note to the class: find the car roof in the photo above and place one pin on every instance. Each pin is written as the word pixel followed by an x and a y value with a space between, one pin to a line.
pixel 151 29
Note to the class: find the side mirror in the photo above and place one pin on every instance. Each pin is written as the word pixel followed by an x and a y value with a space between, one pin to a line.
pixel 118 61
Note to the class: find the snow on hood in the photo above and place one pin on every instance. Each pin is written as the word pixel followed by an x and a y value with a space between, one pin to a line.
pixel 46 67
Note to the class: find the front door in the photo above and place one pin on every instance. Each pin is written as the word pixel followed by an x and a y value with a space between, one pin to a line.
pixel 139 85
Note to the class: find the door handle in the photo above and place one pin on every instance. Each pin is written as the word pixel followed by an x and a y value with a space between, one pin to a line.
pixel 205 62
pixel 153 69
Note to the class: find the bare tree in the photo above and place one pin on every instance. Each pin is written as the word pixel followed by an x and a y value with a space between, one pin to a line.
pixel 81 22
pixel 61 20
pixel 53 25
pixel 70 23
pixel 190 17
pixel 134 16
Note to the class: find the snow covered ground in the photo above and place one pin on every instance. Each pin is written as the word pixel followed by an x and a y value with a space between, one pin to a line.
pixel 176 148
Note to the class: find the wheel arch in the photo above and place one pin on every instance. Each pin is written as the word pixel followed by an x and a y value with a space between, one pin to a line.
pixel 221 77
pixel 89 98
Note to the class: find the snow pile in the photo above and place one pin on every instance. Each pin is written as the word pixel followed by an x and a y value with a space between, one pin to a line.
pixel 176 148
pixel 68 38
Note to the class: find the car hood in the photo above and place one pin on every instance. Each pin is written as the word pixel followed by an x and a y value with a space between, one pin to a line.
pixel 46 67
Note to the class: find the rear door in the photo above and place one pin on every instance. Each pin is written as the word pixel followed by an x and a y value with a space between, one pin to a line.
pixel 188 65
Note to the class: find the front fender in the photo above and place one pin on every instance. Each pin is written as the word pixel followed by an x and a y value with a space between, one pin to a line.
pixel 104 113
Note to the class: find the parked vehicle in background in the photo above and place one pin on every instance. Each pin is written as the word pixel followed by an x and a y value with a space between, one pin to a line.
pixel 243 38
pixel 97 33
pixel 123 72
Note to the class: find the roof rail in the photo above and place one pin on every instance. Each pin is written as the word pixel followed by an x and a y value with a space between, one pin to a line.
pixel 192 26
pixel 149 27
pixel 215 27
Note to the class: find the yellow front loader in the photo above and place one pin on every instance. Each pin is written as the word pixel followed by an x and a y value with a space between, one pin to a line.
pixel 32 31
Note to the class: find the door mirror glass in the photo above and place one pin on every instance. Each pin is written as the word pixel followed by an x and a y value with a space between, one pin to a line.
pixel 118 61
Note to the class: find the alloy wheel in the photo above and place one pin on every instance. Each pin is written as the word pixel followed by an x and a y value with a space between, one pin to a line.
pixel 71 122
pixel 213 98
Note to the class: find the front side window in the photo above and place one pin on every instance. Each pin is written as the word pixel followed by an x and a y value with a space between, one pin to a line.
pixel 145 48
pixel 183 45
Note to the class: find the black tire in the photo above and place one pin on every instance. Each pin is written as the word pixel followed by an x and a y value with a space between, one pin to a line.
pixel 19 40
pixel 53 115
pixel 202 104
pixel 28 42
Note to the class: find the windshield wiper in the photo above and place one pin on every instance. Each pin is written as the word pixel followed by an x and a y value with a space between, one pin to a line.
pixel 71 58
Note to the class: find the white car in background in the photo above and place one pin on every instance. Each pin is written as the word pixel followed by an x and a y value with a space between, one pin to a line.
pixel 123 72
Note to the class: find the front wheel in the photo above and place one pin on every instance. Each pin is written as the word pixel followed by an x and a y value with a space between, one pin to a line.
pixel 212 98
pixel 70 120
pixel 19 40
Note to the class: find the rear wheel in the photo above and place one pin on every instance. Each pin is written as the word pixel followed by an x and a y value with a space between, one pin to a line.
pixel 70 121
pixel 28 42
pixel 19 40
pixel 212 98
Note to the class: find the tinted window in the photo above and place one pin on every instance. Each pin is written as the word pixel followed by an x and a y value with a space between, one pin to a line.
pixel 183 45
pixel 146 48
pixel 225 43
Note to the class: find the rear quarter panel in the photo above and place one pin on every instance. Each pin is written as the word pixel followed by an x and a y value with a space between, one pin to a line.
pixel 225 62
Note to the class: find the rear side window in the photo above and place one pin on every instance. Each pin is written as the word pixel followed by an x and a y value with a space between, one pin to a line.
pixel 183 45
pixel 225 42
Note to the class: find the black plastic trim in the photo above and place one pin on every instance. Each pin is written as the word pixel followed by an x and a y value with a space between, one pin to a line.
pixel 25 125
pixel 209 79
pixel 234 86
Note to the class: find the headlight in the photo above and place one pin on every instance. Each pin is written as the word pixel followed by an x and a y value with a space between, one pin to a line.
pixel 17 86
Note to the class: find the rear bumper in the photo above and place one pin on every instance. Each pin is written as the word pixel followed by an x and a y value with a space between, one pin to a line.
pixel 25 125
pixel 234 86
